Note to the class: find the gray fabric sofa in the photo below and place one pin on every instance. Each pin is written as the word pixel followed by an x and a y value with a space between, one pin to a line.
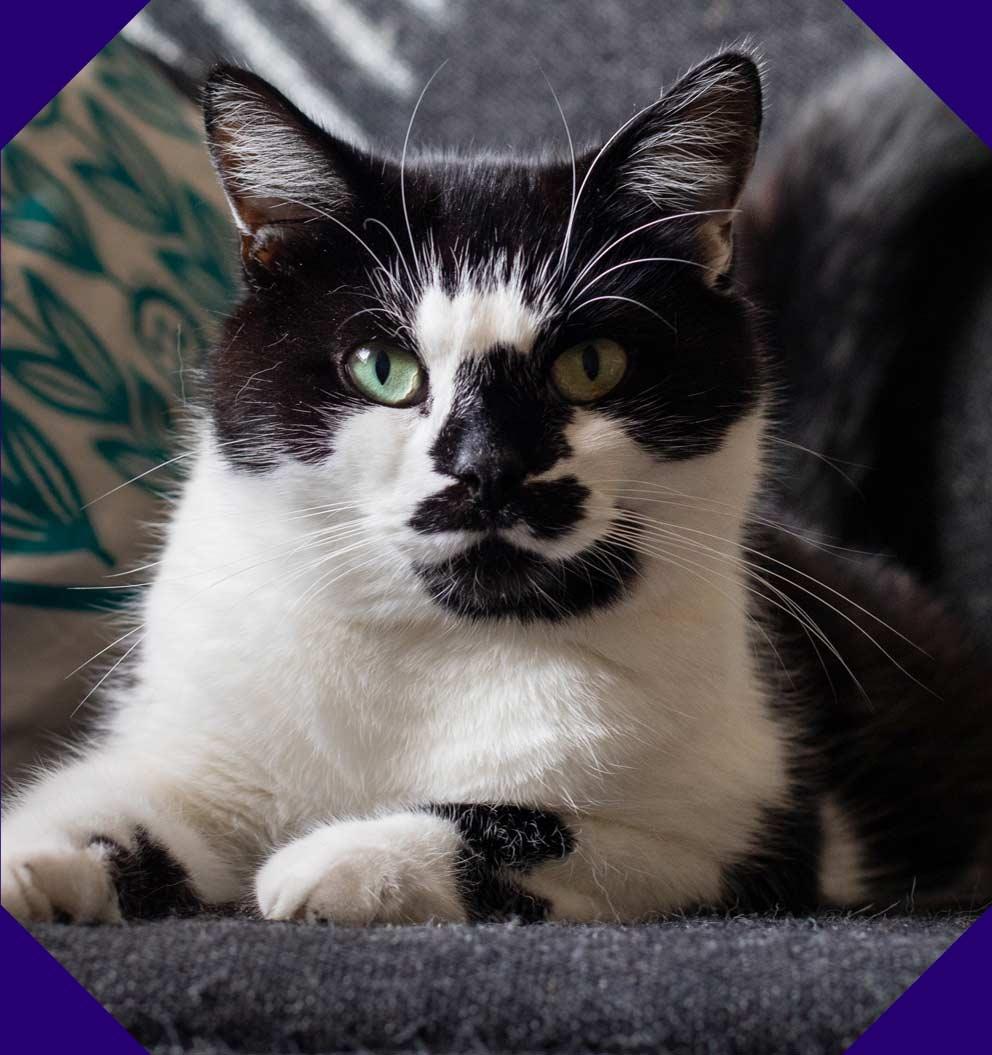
pixel 745 985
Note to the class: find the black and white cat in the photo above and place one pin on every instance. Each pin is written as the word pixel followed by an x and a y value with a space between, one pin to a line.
pixel 468 608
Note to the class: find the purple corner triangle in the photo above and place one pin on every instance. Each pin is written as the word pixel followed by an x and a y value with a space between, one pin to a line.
pixel 44 1009
pixel 946 45
pixel 47 45
pixel 945 1009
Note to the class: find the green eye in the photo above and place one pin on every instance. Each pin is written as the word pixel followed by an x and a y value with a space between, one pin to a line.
pixel 387 375
pixel 587 371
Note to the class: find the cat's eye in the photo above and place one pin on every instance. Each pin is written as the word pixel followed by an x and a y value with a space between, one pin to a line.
pixel 387 374
pixel 588 371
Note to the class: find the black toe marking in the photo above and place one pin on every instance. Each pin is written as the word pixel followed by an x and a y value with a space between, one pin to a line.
pixel 509 836
pixel 150 883
pixel 489 896
pixel 502 843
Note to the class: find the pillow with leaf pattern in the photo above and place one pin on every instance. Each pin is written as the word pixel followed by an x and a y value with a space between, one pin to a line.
pixel 117 258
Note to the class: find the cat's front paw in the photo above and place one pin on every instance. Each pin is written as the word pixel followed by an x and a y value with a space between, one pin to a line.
pixel 109 873
pixel 59 881
pixel 398 869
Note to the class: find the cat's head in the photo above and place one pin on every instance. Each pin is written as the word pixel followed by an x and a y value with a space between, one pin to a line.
pixel 503 377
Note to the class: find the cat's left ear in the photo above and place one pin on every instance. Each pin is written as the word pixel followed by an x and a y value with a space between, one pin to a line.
pixel 693 151
pixel 278 168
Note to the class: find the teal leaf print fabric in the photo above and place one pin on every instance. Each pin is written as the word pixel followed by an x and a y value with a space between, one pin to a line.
pixel 118 259
pixel 74 373
pixel 42 507
pixel 136 456
pixel 125 177
pixel 40 212
pixel 151 99
pixel 119 255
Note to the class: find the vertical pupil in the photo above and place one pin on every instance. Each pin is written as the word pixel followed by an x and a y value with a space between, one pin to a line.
pixel 382 365
pixel 590 361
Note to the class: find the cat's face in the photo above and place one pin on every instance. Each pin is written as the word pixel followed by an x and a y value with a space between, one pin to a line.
pixel 495 368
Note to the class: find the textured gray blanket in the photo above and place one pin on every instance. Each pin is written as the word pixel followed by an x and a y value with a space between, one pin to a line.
pixel 734 986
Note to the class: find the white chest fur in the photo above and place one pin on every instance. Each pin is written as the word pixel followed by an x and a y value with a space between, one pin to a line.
pixel 649 710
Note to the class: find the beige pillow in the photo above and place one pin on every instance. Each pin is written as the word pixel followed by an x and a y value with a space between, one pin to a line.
pixel 118 255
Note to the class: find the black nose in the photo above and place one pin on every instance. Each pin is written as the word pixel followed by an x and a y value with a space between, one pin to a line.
pixel 490 470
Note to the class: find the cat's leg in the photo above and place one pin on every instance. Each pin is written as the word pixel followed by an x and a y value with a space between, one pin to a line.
pixel 558 866
pixel 400 868
pixel 458 862
pixel 616 872
pixel 107 838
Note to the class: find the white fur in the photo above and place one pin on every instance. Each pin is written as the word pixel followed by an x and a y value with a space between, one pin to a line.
pixel 268 162
pixel 474 320
pixel 395 869
pixel 841 876
pixel 273 693
pixel 692 160
pixel 678 166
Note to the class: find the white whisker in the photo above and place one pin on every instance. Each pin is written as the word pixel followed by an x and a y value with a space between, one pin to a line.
pixel 627 300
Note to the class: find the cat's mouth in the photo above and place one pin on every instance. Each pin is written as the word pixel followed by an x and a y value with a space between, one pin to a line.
pixel 494 579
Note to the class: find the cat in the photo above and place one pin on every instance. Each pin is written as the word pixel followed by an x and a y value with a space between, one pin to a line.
pixel 469 608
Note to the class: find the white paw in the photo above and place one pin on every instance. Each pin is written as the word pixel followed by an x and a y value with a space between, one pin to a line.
pixel 56 881
pixel 107 868
pixel 397 869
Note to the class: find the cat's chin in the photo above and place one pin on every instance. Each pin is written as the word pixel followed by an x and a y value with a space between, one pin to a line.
pixel 494 579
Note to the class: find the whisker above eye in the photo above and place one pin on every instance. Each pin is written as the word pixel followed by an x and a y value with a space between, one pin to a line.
pixel 635 231
pixel 628 300
pixel 366 311
pixel 322 214
pixel 641 260
pixel 399 252
pixel 406 144
pixel 563 258
pixel 571 152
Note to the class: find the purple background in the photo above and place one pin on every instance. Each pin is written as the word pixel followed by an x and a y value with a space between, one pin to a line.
pixel 946 44
pixel 47 44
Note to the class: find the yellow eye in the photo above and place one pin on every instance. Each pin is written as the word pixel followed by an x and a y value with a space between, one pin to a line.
pixel 588 371
pixel 387 375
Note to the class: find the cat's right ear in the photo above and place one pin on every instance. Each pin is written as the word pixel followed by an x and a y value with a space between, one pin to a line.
pixel 692 151
pixel 276 166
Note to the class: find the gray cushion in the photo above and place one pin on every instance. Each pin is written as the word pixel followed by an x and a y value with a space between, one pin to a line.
pixel 717 985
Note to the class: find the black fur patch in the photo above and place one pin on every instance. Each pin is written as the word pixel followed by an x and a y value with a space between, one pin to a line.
pixel 506 424
pixel 150 883
pixel 867 243
pixel 782 874
pixel 277 381
pixel 505 420
pixel 548 508
pixel 895 725
pixel 494 580
pixel 500 841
